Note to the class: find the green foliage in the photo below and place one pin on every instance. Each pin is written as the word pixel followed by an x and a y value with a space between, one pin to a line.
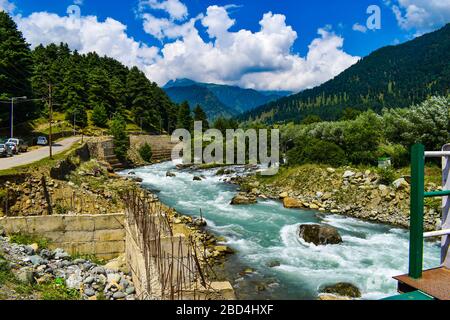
pixel 317 151
pixel 80 83
pixel 120 137
pixel 149 104
pixel 387 175
pixel 27 239
pixel 100 116
pixel 311 119
pixel 427 123
pixel 146 153
pixel 350 114
pixel 184 118
pixel 222 124
pixel 57 291
pixel 371 136
pixel 399 154
pixel 200 115
pixel 15 68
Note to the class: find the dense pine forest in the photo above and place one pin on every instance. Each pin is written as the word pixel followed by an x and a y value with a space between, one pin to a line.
pixel 391 77
pixel 79 84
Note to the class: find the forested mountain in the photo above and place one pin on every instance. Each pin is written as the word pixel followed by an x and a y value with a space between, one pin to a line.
pixel 78 84
pixel 198 95
pixel 391 77
pixel 219 100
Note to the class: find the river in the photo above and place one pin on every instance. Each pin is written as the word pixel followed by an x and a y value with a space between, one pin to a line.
pixel 266 233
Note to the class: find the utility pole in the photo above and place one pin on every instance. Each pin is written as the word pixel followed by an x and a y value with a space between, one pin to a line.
pixel 50 117
pixel 74 122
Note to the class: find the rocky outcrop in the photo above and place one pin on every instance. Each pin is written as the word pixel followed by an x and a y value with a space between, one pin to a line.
pixel 319 235
pixel 342 289
pixel 348 191
pixel 244 199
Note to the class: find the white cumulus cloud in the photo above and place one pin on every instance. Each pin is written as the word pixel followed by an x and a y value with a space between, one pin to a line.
pixel 7 6
pixel 261 59
pixel 175 8
pixel 420 15
pixel 86 34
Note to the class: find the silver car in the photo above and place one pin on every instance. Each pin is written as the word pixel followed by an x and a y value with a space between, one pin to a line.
pixel 5 151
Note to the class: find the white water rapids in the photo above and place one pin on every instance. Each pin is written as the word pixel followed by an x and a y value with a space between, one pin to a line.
pixel 267 233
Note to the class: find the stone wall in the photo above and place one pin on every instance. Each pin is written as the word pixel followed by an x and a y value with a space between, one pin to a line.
pixel 99 235
pixel 101 148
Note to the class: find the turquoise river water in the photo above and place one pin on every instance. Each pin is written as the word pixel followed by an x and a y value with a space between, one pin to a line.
pixel 264 233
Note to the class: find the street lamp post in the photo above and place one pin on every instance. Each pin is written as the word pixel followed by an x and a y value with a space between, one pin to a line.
pixel 12 113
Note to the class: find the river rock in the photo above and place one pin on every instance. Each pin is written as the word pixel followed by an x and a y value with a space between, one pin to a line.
pixel 244 199
pixel 292 203
pixel 223 249
pixel 400 184
pixel 348 174
pixel 283 195
pixel 119 295
pixel 343 289
pixel 25 276
pixel 319 235
pixel 170 174
pixel 274 264
pixel 197 178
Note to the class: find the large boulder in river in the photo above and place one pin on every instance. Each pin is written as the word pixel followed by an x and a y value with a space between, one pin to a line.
pixel 292 203
pixel 243 198
pixel 319 235
pixel 342 289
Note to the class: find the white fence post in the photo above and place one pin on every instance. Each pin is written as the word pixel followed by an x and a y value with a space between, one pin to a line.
pixel 446 208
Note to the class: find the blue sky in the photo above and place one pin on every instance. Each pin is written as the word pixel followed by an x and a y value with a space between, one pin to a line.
pixel 146 30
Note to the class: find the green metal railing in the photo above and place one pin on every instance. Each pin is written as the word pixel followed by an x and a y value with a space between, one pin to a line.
pixel 418 195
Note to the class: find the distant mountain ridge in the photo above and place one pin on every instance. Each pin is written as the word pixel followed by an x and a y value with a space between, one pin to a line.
pixel 391 77
pixel 219 100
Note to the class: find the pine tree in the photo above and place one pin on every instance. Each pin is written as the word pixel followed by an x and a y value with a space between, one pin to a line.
pixel 15 67
pixel 100 116
pixel 200 115
pixel 120 137
pixel 184 119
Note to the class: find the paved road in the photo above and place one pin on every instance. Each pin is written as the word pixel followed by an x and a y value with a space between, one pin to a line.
pixel 37 154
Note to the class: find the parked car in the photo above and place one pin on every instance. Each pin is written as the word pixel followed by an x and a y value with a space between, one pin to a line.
pixel 42 141
pixel 13 147
pixel 20 144
pixel 5 151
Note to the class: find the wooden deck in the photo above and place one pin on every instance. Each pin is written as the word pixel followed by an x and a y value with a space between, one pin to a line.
pixel 435 283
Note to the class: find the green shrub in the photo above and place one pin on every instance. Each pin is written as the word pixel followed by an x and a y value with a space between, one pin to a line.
pixel 146 153
pixel 387 175
pixel 26 239
pixel 317 151
pixel 398 154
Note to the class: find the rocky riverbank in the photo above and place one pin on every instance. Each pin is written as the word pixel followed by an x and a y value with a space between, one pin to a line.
pixel 30 272
pixel 346 191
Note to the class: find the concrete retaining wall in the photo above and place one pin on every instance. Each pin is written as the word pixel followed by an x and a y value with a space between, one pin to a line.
pixel 99 235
